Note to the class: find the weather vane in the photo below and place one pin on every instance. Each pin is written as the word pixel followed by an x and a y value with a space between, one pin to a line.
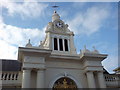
pixel 55 6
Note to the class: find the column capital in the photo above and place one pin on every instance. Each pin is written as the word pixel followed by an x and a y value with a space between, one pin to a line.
pixel 93 71
pixel 26 68
pixel 86 71
pixel 40 69
pixel 100 71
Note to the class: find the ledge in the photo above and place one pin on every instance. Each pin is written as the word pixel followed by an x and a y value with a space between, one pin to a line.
pixel 30 50
pixel 91 55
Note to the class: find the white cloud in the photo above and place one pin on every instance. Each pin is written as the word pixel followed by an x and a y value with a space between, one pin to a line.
pixel 24 9
pixel 110 63
pixel 15 35
pixel 89 21
pixel 11 37
pixel 7 51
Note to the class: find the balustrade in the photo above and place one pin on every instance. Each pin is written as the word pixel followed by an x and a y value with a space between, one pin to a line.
pixel 112 80
pixel 9 76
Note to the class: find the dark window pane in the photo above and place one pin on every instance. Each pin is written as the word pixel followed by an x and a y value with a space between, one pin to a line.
pixel 55 44
pixel 66 45
pixel 61 44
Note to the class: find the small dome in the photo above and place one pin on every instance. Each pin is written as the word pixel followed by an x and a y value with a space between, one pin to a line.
pixel 29 44
pixel 55 16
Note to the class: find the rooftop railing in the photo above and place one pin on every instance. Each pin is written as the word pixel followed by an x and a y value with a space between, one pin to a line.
pixel 112 80
pixel 11 78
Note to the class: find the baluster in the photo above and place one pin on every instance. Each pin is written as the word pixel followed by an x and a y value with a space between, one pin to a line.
pixel 108 78
pixel 7 77
pixel 3 75
pixel 16 76
pixel 11 76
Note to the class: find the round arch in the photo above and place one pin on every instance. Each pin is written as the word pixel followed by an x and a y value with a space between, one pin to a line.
pixel 62 76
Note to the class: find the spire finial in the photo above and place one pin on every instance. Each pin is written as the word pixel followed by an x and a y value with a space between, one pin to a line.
pixel 54 7
pixel 29 44
pixel 29 41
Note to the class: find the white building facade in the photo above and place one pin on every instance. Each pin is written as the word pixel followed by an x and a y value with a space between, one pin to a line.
pixel 56 64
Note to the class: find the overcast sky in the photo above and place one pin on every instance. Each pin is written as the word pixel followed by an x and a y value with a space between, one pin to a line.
pixel 94 24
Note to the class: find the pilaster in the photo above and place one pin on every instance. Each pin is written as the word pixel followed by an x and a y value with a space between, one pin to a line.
pixel 40 78
pixel 101 80
pixel 26 78
pixel 91 79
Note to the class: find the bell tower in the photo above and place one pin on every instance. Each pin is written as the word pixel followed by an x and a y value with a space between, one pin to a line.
pixel 58 38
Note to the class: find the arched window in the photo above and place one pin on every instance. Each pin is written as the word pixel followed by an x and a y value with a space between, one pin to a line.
pixel 60 45
pixel 66 45
pixel 55 44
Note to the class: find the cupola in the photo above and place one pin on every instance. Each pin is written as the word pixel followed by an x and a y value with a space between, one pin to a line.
pixel 55 16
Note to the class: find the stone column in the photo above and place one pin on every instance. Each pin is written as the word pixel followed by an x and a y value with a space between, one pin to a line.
pixel 68 44
pixel 40 79
pixel 63 40
pixel 101 80
pixel 26 78
pixel 91 79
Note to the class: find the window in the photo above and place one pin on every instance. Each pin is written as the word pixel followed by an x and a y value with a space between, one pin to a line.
pixel 55 44
pixel 60 44
pixel 66 45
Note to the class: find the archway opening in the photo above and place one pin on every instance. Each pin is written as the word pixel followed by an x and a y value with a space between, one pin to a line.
pixel 64 83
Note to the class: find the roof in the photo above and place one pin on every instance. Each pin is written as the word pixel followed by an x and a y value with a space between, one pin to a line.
pixel 105 71
pixel 11 65
pixel 117 69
